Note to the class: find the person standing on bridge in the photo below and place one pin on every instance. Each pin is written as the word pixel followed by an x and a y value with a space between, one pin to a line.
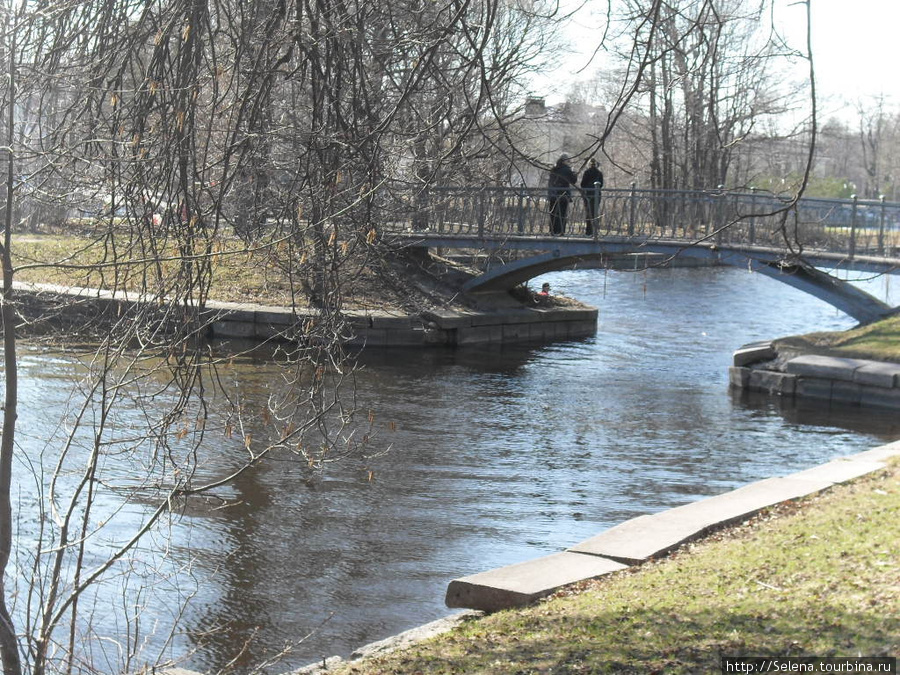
pixel 558 192
pixel 591 184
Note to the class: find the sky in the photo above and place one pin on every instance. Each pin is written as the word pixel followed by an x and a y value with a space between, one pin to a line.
pixel 856 48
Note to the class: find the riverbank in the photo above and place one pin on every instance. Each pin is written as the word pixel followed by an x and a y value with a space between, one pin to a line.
pixel 497 319
pixel 401 298
pixel 877 341
pixel 815 576
pixel 856 367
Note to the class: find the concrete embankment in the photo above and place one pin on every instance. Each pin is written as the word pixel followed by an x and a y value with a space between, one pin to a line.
pixel 379 328
pixel 367 328
pixel 758 367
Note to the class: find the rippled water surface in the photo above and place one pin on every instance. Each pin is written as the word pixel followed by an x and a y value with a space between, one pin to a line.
pixel 497 456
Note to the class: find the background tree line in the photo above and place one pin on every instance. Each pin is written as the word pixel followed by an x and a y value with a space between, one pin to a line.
pixel 701 93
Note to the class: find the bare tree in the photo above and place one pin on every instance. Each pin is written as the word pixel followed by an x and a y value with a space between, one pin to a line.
pixel 182 132
pixel 875 131
pixel 710 79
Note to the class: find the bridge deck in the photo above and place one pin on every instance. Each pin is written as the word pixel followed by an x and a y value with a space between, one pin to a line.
pixel 574 246
pixel 828 231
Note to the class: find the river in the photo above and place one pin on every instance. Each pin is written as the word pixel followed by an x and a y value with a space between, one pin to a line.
pixel 497 456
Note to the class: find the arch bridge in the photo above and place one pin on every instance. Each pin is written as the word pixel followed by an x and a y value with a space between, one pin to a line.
pixel 801 244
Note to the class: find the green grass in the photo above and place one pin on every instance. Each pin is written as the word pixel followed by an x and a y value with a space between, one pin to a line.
pixel 879 341
pixel 820 577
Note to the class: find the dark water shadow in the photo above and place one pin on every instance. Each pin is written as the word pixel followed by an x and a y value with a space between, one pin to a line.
pixel 880 422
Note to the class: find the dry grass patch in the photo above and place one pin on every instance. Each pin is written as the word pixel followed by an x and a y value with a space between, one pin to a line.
pixel 373 277
pixel 133 264
pixel 879 341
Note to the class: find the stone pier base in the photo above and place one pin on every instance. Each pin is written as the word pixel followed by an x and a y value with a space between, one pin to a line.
pixel 493 324
pixel 825 378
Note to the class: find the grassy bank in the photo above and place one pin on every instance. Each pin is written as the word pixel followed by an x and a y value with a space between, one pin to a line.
pixel 816 577
pixel 71 260
pixel 879 341
pixel 270 274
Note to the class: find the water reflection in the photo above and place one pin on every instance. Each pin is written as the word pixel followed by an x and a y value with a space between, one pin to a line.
pixel 811 413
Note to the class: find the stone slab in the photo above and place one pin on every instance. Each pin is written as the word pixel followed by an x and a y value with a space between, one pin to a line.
pixel 234 329
pixel 814 387
pixel 773 382
pixel 507 317
pixel 739 376
pixel 880 454
pixel 239 315
pixel 846 392
pixel 448 319
pixel 540 332
pixel 392 321
pixel 880 398
pixel 276 318
pixel 479 334
pixel 645 537
pixel 878 374
pixel 839 470
pixel 245 310
pixel 557 314
pixel 518 332
pixel 828 367
pixel 754 352
pixel 523 583
pixel 582 328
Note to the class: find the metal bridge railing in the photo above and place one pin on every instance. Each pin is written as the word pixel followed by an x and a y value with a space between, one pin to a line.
pixel 733 218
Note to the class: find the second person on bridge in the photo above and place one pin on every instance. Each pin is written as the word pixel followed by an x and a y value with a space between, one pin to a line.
pixel 562 178
pixel 591 184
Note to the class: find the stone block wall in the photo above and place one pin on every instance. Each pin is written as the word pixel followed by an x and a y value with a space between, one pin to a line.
pixel 375 328
pixel 452 328
pixel 826 378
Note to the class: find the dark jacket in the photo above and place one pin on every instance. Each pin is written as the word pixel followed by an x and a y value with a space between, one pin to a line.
pixel 591 176
pixel 561 177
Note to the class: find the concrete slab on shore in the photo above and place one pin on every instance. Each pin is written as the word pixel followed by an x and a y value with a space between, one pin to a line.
pixel 825 367
pixel 754 353
pixel 838 470
pixel 523 583
pixel 880 454
pixel 845 381
pixel 645 537
pixel 878 374
pixel 507 322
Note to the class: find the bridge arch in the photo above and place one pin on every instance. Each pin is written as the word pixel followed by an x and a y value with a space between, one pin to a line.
pixel 844 296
